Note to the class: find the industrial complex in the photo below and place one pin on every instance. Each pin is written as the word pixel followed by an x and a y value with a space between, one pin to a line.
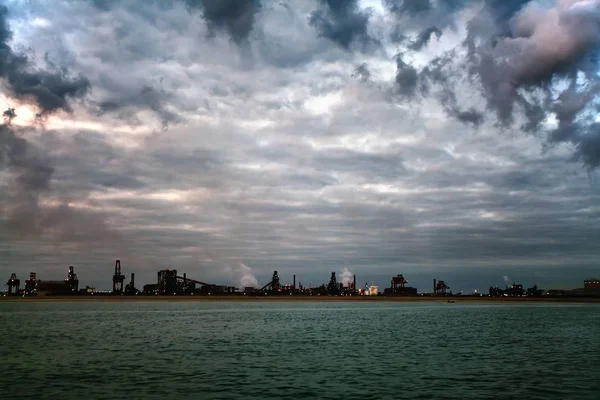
pixel 170 283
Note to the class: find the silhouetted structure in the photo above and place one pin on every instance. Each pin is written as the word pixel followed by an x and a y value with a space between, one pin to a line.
pixel 591 287
pixel 273 285
pixel 397 287
pixel 118 278
pixel 441 288
pixel 13 284
pixel 534 291
pixel 69 286
pixel 398 282
pixel 130 288
pixel 333 287
pixel 72 280
pixel 167 281
pixel 515 290
pixel 31 285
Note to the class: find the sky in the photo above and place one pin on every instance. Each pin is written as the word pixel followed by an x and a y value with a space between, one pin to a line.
pixel 448 139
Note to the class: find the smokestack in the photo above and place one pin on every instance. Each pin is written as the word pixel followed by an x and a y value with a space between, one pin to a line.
pixel 294 282
pixel 132 284
pixel 354 284
pixel 434 285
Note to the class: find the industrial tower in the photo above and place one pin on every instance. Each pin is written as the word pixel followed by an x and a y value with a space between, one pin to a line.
pixel 332 286
pixel 118 278
pixel 13 285
pixel 31 285
pixel 72 280
pixel 440 288
pixel 398 282
pixel 274 285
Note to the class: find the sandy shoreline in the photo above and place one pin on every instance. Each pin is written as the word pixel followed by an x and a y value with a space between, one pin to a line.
pixel 457 299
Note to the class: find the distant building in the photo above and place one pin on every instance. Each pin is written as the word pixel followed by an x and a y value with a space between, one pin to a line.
pixel 151 288
pixel 372 291
pixel 591 287
pixel 405 291
pixel 515 290
pixel 53 288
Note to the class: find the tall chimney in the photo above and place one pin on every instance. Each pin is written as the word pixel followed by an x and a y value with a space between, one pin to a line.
pixel 132 284
pixel 434 285
pixel 294 282
pixel 354 284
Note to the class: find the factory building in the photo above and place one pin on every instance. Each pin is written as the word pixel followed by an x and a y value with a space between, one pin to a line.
pixel 67 287
pixel 591 287
pixel 398 287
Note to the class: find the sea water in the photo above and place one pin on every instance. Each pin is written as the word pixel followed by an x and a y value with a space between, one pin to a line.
pixel 297 350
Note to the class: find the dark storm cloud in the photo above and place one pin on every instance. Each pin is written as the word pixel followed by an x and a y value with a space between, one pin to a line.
pixel 49 91
pixel 407 78
pixel 343 22
pixel 424 38
pixel 471 116
pixel 234 16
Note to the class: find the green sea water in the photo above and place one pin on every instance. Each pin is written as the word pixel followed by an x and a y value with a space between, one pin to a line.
pixel 279 350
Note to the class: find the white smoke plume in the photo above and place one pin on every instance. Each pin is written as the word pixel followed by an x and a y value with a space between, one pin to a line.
pixel 506 279
pixel 248 279
pixel 346 277
pixel 242 272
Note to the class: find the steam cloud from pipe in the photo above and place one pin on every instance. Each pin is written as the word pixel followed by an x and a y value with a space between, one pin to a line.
pixel 347 277
pixel 244 273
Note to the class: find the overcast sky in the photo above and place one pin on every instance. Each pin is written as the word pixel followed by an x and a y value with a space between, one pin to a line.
pixel 447 139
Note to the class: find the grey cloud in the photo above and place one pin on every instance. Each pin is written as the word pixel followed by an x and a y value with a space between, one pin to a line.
pixel 470 115
pixel 517 64
pixel 411 7
pixel 294 165
pixel 234 16
pixel 362 72
pixel 407 78
pixel 25 212
pixel 147 98
pixel 24 209
pixel 424 38
pixel 416 16
pixel 343 22
pixel 49 91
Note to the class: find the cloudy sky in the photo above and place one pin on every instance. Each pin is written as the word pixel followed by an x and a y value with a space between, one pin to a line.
pixel 452 139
